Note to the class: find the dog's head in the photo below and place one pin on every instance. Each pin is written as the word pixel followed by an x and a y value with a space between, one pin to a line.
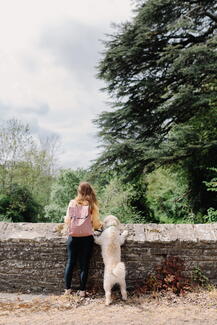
pixel 111 221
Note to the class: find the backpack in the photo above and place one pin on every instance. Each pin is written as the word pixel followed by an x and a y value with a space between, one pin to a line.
pixel 80 220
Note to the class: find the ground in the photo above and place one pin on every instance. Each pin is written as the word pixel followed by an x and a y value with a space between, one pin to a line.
pixel 194 308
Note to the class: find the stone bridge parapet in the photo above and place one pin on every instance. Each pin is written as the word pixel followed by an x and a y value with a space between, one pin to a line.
pixel 33 255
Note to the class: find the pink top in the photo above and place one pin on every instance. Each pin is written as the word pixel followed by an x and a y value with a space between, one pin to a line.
pixel 80 220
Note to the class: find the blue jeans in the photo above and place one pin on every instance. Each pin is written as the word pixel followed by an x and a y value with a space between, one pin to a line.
pixel 78 248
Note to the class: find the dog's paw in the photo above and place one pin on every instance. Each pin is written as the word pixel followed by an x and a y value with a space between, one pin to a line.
pixel 125 233
pixel 124 296
pixel 59 228
pixel 108 302
pixel 97 239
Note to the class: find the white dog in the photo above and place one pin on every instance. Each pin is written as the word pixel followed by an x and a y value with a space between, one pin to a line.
pixel 110 241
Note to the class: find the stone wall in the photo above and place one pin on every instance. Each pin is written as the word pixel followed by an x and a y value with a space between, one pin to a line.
pixel 33 256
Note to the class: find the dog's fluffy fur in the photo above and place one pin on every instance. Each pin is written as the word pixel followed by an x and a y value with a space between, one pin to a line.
pixel 110 241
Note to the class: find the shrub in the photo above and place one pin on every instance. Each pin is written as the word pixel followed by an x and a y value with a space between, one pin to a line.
pixel 169 275
pixel 18 205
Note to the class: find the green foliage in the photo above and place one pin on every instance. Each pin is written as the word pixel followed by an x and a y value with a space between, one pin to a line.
pixel 195 142
pixel 167 195
pixel 211 215
pixel 212 185
pixel 116 198
pixel 54 213
pixel 18 205
pixel 139 202
pixel 63 190
pixel 199 278
pixel 4 204
pixel 126 201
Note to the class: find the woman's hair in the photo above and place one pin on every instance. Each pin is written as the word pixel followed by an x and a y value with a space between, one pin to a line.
pixel 86 192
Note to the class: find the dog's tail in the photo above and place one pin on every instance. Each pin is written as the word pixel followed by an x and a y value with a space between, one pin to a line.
pixel 119 270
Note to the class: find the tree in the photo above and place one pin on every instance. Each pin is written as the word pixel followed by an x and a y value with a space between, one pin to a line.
pixel 63 190
pixel 26 161
pixel 15 141
pixel 159 70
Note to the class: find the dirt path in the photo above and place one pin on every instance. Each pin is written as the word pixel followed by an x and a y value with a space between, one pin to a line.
pixel 194 309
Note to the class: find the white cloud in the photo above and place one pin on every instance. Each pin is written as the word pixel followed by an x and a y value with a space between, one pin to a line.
pixel 48 50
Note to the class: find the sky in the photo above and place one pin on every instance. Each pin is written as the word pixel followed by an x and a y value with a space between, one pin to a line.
pixel 49 50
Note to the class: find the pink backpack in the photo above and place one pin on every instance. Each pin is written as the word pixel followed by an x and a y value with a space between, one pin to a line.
pixel 80 220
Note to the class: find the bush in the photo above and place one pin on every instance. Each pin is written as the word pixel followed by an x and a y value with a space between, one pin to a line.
pixel 18 205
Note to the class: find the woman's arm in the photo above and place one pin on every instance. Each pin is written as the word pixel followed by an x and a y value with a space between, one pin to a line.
pixel 66 218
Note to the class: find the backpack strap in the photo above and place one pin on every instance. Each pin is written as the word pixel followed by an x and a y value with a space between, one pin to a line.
pixel 73 203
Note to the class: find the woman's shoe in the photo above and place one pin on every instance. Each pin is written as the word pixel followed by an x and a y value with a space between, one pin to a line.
pixel 82 293
pixel 67 292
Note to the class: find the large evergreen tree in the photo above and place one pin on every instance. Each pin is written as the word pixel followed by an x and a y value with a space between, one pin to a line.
pixel 160 70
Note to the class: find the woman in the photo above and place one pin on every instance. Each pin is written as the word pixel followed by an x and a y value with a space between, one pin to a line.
pixel 82 218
